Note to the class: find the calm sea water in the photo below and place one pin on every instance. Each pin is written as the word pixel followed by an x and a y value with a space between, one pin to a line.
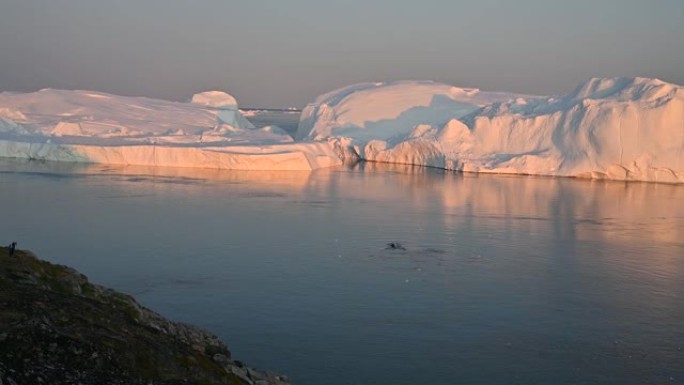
pixel 503 280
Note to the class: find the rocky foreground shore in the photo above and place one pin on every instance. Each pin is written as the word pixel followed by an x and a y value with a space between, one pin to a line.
pixel 57 328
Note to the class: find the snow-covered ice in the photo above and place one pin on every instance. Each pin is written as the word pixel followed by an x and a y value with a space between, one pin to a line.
pixel 617 128
pixel 96 127
pixel 609 128
pixel 383 111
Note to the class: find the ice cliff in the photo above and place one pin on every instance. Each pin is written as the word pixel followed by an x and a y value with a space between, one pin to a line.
pixel 617 128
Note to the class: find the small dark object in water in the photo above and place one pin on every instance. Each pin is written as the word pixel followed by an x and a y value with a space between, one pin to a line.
pixel 434 251
pixel 394 246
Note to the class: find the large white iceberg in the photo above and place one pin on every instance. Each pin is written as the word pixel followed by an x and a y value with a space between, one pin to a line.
pixel 369 111
pixel 620 128
pixel 209 132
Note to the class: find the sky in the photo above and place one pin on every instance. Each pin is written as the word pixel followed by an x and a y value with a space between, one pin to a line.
pixel 284 53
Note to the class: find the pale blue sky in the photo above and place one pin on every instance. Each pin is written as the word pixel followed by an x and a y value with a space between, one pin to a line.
pixel 284 53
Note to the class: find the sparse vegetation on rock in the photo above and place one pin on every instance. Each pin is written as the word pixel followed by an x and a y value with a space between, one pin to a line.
pixel 58 328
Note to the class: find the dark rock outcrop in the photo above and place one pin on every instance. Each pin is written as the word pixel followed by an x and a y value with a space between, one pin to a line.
pixel 58 328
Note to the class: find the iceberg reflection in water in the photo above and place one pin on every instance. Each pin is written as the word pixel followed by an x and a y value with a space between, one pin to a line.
pixel 503 279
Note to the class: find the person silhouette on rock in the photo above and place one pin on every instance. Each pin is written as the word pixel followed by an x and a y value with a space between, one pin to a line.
pixel 12 247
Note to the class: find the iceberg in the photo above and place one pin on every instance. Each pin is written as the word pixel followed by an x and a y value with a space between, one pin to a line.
pixel 95 127
pixel 608 128
pixel 368 111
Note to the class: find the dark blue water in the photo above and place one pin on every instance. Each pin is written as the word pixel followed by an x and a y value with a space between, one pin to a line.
pixel 503 280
